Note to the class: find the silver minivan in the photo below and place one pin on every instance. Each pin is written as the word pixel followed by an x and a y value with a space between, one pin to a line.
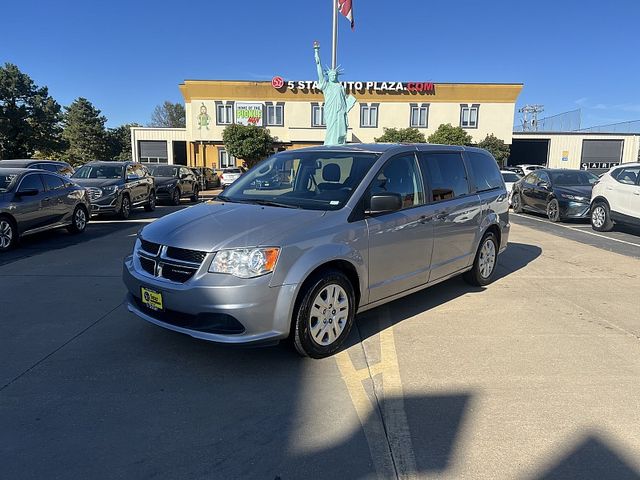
pixel 340 230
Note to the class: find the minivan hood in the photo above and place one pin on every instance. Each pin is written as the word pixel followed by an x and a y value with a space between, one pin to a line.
pixel 580 190
pixel 97 182
pixel 215 225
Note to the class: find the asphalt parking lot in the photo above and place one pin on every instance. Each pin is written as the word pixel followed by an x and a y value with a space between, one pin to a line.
pixel 534 377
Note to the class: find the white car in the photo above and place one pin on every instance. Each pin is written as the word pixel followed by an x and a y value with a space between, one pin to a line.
pixel 509 178
pixel 230 175
pixel 616 198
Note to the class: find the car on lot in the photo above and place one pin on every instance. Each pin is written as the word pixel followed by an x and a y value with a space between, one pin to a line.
pixel 558 193
pixel 174 182
pixel 616 198
pixel 509 178
pixel 210 178
pixel 358 226
pixel 32 201
pixel 230 175
pixel 117 187
pixel 63 168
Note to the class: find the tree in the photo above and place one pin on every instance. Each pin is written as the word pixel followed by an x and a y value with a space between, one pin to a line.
pixel 30 120
pixel 84 132
pixel 446 134
pixel 119 142
pixel 168 115
pixel 250 143
pixel 496 147
pixel 401 135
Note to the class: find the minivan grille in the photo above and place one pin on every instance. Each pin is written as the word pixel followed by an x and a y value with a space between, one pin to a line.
pixel 172 263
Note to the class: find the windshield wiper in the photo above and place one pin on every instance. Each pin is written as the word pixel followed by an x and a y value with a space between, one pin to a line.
pixel 224 199
pixel 269 203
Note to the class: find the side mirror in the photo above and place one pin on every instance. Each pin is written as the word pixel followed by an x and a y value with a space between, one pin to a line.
pixel 384 203
pixel 28 192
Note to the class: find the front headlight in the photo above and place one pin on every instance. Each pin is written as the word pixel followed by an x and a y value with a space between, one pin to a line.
pixel 109 190
pixel 576 198
pixel 245 262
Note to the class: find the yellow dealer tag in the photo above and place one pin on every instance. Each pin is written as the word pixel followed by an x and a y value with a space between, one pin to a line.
pixel 151 298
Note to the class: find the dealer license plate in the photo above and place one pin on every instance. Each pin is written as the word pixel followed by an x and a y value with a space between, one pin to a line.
pixel 151 299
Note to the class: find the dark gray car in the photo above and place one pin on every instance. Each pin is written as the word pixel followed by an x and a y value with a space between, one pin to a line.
pixel 117 187
pixel 339 230
pixel 173 182
pixel 55 166
pixel 32 201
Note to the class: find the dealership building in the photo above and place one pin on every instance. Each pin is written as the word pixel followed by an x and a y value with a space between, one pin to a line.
pixel 293 112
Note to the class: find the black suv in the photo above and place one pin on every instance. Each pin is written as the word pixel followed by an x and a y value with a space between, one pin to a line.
pixel 61 168
pixel 174 182
pixel 117 187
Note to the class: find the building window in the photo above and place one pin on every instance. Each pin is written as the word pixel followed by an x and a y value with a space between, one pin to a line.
pixel 469 115
pixel 317 115
pixel 419 115
pixel 225 160
pixel 369 115
pixel 275 114
pixel 224 113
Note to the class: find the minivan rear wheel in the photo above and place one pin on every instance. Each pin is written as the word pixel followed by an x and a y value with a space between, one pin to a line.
pixel 324 315
pixel 484 265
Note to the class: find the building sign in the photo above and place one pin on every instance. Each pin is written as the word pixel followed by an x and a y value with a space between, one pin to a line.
pixel 565 155
pixel 249 113
pixel 309 86
pixel 598 165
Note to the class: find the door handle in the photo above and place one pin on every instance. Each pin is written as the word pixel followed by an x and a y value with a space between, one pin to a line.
pixel 441 216
pixel 636 193
pixel 425 218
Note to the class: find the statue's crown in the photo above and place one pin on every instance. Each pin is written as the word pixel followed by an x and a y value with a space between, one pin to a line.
pixel 338 70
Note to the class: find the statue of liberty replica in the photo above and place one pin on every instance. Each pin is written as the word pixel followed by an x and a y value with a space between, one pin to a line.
pixel 336 102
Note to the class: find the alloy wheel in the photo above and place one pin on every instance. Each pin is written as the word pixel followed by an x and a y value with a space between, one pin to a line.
pixel 553 211
pixel 80 219
pixel 598 216
pixel 6 234
pixel 328 315
pixel 487 260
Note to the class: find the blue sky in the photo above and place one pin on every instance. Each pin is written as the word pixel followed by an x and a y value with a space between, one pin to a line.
pixel 126 56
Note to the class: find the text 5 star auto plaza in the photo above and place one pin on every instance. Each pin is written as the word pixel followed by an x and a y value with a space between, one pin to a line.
pixel 293 112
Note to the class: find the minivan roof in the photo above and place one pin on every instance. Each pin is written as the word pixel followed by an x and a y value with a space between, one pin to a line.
pixel 385 147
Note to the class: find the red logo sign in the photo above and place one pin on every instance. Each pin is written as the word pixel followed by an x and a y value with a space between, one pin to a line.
pixel 277 82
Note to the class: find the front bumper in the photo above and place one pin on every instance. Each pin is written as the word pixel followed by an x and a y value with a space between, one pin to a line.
pixel 208 306
pixel 106 204
pixel 164 193
pixel 571 209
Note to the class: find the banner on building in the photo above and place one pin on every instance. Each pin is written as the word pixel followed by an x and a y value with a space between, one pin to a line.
pixel 249 113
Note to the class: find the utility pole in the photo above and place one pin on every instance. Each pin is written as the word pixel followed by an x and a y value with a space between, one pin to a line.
pixel 530 124
pixel 334 52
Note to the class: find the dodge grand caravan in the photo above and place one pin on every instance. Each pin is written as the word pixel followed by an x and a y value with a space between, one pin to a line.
pixel 349 228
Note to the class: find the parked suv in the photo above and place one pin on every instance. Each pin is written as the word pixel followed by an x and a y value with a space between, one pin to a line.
pixel 63 168
pixel 33 201
pixel 353 227
pixel 117 187
pixel 616 198
pixel 174 182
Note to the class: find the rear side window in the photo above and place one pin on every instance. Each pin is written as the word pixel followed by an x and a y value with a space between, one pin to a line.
pixel 31 182
pixel 50 167
pixel 628 176
pixel 485 171
pixel 446 175
pixel 53 183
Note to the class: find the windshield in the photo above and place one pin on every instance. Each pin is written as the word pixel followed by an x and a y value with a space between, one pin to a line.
pixel 6 180
pixel 571 178
pixel 510 177
pixel 99 171
pixel 163 170
pixel 314 180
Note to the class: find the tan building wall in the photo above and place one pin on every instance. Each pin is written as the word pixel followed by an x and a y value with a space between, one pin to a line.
pixel 559 143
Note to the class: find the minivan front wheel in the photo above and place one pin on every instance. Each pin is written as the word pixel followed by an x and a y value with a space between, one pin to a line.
pixel 324 315
pixel 484 265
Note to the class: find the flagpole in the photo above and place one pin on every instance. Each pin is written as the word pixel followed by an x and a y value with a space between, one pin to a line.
pixel 334 53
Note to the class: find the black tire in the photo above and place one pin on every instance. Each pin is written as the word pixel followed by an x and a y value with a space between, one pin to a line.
pixel 151 204
pixel 303 339
pixel 175 197
pixel 601 217
pixel 79 220
pixel 125 207
pixel 553 210
pixel 8 233
pixel 478 275
pixel 196 195
pixel 516 202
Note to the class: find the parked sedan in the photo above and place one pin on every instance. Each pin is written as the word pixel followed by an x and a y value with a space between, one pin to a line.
pixel 33 201
pixel 174 182
pixel 230 175
pixel 558 193
pixel 207 176
pixel 63 168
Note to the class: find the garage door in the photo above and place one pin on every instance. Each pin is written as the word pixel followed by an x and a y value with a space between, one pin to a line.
pixel 601 154
pixel 153 151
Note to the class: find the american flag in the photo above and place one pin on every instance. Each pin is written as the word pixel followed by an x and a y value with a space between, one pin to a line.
pixel 346 9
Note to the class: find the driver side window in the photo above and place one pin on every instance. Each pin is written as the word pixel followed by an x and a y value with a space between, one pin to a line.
pixel 401 175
